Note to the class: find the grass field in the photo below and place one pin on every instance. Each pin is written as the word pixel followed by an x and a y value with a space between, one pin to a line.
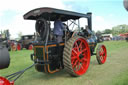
pixel 113 72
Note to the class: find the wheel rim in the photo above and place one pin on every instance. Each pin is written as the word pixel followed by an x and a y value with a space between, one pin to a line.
pixel 80 56
pixel 4 81
pixel 13 47
pixel 18 47
pixel 103 54
pixel 30 47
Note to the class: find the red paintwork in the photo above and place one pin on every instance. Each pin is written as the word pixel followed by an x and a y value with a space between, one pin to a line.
pixel 12 83
pixel 80 48
pixel 4 81
pixel 18 46
pixel 103 54
pixel 124 35
pixel 30 47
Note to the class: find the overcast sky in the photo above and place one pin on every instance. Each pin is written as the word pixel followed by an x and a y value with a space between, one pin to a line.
pixel 106 13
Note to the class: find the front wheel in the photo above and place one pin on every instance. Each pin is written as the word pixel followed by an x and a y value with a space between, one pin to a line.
pixel 76 56
pixel 101 54
pixel 30 47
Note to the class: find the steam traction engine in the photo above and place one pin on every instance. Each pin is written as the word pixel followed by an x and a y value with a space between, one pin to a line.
pixel 73 54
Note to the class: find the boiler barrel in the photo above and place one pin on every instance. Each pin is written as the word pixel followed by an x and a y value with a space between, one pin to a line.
pixel 4 57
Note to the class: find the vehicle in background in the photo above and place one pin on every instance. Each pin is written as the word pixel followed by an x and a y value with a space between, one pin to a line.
pixel 5 38
pixel 107 37
pixel 26 41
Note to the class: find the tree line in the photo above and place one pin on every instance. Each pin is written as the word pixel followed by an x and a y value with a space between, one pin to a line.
pixel 116 30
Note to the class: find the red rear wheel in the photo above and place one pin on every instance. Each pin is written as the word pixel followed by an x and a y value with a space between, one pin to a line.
pixel 76 56
pixel 18 46
pixel 30 47
pixel 101 54
pixel 13 47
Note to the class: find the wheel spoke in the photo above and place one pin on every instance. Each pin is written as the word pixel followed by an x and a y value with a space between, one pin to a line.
pixel 73 50
pixel 80 45
pixel 102 53
pixel 84 60
pixel 74 57
pixel 84 50
pixel 74 64
pixel 73 53
pixel 84 54
pixel 77 68
pixel 101 58
pixel 81 66
pixel 102 50
pixel 76 45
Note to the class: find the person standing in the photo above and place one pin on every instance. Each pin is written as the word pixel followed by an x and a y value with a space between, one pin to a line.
pixel 58 29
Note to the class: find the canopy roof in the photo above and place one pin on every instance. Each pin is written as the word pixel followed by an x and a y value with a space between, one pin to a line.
pixel 51 13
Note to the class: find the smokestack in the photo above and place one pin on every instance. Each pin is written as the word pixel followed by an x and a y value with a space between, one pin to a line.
pixel 90 20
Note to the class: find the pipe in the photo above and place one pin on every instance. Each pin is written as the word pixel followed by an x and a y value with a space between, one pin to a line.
pixel 90 20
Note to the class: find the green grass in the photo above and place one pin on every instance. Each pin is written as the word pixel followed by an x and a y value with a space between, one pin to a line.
pixel 19 60
pixel 121 79
pixel 113 72
pixel 115 47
